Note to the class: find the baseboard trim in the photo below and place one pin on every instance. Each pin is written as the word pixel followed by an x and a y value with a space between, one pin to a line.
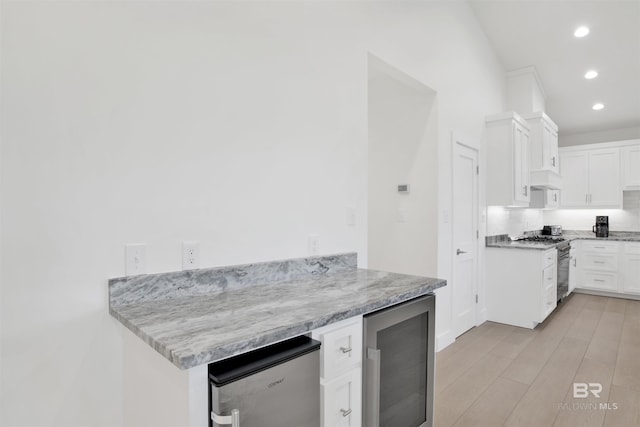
pixel 606 294
pixel 444 340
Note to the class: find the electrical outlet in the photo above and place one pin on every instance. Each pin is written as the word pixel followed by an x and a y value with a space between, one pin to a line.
pixel 190 255
pixel 351 216
pixel 135 259
pixel 314 244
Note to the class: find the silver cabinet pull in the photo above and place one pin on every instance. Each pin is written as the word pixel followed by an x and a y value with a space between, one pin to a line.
pixel 553 161
pixel 598 280
pixel 233 419
pixel 458 252
pixel 345 349
pixel 555 197
pixel 345 413
pixel 525 190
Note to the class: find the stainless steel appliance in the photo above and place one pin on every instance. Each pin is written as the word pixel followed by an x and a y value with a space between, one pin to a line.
pixel 602 226
pixel 552 230
pixel 398 378
pixel 563 269
pixel 275 386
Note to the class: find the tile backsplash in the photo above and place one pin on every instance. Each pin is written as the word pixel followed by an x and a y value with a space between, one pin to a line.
pixel 625 219
pixel 512 221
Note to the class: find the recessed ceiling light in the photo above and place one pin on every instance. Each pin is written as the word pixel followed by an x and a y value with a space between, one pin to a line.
pixel 581 31
pixel 598 106
pixel 591 74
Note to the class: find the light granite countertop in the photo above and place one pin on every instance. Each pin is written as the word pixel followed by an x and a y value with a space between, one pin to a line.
pixel 502 241
pixel 200 316
pixel 616 236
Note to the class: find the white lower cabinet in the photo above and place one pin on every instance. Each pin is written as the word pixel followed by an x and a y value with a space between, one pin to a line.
pixel 341 373
pixel 598 265
pixel 341 400
pixel 631 268
pixel 608 266
pixel 522 285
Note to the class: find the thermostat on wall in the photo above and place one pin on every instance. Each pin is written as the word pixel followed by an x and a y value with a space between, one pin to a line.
pixel 403 188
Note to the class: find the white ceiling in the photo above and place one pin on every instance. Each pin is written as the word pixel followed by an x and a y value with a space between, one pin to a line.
pixel 540 33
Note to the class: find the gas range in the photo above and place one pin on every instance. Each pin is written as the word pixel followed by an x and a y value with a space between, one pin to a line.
pixel 559 241
pixel 544 239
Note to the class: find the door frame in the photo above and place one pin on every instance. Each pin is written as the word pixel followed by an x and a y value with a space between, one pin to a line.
pixel 473 144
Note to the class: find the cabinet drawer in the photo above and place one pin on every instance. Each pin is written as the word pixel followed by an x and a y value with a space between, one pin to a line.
pixel 600 247
pixel 631 248
pixel 341 347
pixel 549 258
pixel 549 302
pixel 342 400
pixel 597 280
pixel 604 262
pixel 549 279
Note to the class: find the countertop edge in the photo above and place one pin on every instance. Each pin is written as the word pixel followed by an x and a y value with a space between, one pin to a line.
pixel 269 337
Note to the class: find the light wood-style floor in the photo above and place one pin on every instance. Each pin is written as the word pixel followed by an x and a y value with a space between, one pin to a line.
pixel 499 375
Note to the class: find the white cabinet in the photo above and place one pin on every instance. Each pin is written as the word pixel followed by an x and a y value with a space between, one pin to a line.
pixel 598 265
pixel 544 199
pixel 341 373
pixel 522 285
pixel 543 151
pixel 630 158
pixel 631 268
pixel 573 263
pixel 507 160
pixel 590 178
pixel 341 400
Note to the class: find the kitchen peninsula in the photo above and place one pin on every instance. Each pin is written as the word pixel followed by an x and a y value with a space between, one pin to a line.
pixel 193 318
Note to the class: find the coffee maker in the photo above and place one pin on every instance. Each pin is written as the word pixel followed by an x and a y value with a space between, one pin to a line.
pixel 602 226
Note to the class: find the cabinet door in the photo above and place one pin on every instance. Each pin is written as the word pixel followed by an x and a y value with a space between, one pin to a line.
pixel 604 178
pixel 553 152
pixel 631 268
pixel 573 270
pixel 521 164
pixel 549 148
pixel 552 198
pixel 575 190
pixel 630 170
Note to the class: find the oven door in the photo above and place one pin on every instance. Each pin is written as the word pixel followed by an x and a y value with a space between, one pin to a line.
pixel 563 272
pixel 399 365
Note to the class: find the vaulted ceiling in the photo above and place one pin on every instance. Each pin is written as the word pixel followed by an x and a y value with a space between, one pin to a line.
pixel 540 33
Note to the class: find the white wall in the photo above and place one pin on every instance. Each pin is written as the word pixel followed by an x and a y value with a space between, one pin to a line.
pixel 241 125
pixel 403 149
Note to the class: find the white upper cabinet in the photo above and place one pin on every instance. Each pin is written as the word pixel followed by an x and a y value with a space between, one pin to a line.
pixel 630 157
pixel 590 178
pixel 545 199
pixel 507 160
pixel 543 148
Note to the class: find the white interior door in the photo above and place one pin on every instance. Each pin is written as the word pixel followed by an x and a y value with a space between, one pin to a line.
pixel 465 236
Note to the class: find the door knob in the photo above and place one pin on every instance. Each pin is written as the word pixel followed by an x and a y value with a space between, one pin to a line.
pixel 458 252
